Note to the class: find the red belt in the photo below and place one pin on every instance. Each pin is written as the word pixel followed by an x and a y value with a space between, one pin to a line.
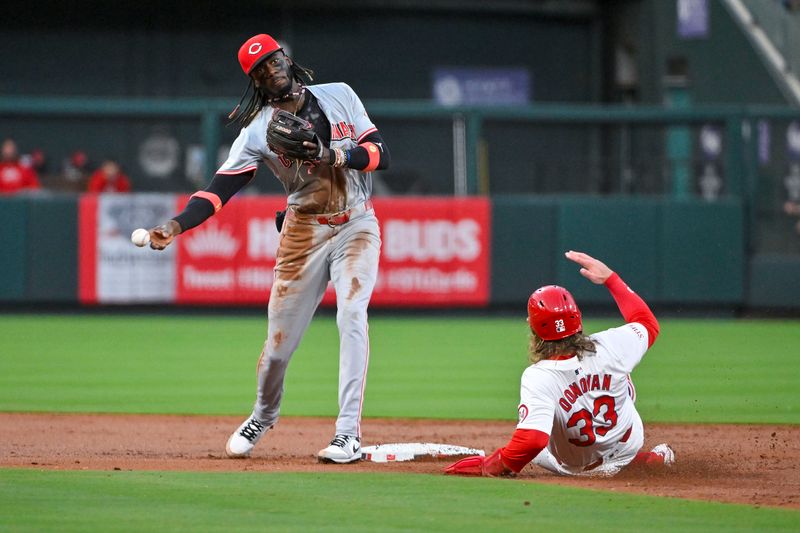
pixel 342 217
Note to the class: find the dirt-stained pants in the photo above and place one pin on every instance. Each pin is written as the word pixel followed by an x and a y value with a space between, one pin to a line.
pixel 309 255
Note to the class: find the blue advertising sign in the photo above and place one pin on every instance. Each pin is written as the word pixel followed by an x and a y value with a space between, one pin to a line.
pixel 481 86
pixel 764 141
pixel 793 140
pixel 692 18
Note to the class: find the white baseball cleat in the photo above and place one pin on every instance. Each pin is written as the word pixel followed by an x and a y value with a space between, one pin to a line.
pixel 342 449
pixel 665 451
pixel 244 439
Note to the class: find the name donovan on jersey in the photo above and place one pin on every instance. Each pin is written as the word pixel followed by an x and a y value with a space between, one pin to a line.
pixel 576 389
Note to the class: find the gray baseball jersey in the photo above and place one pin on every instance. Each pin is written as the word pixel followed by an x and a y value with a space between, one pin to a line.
pixel 349 125
pixel 311 253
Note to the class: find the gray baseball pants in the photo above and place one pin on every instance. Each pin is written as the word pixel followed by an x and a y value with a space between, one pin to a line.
pixel 309 255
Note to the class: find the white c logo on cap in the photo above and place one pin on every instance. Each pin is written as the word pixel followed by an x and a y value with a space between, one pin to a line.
pixel 254 48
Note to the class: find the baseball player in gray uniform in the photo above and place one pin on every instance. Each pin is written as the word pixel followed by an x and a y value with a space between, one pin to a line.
pixel 330 232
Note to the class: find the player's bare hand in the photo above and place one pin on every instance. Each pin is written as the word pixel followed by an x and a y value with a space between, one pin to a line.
pixel 161 236
pixel 592 269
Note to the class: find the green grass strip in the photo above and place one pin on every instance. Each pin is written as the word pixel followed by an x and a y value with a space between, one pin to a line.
pixel 33 500
pixel 733 371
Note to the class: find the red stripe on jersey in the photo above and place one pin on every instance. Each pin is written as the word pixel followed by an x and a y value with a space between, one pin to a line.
pixel 631 388
pixel 365 134
pixel 237 171
pixel 363 382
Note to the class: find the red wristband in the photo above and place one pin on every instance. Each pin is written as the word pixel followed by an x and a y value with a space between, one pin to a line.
pixel 211 197
pixel 374 154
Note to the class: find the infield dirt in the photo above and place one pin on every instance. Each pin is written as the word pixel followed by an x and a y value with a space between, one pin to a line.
pixel 755 465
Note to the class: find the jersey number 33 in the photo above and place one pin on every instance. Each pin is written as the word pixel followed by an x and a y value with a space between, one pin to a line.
pixel 603 410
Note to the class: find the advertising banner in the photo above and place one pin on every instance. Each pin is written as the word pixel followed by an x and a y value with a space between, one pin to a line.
pixel 112 269
pixel 230 257
pixel 692 19
pixel 481 86
pixel 435 252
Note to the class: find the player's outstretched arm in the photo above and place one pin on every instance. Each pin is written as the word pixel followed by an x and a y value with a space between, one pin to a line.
pixel 524 445
pixel 202 205
pixel 491 466
pixel 630 304
pixel 592 269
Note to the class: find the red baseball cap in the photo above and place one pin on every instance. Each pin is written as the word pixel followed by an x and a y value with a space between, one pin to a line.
pixel 255 49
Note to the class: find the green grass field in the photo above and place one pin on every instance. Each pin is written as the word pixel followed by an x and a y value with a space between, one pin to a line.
pixel 181 501
pixel 698 371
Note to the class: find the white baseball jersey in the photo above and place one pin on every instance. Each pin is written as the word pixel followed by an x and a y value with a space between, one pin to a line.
pixel 587 406
pixel 349 125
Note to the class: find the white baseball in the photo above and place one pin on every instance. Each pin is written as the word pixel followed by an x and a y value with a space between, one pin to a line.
pixel 140 237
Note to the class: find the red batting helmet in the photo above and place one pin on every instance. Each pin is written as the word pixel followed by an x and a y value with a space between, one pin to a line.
pixel 255 49
pixel 553 313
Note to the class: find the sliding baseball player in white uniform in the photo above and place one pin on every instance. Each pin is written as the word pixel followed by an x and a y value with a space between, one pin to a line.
pixel 576 413
pixel 330 232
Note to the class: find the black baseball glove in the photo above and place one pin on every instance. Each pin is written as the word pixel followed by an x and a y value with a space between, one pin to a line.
pixel 286 134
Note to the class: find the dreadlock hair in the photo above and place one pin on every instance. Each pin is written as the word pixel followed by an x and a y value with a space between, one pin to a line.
pixel 259 98
pixel 579 344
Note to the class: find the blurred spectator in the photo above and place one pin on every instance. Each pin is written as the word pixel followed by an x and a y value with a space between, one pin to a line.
pixel 109 178
pixel 76 170
pixel 793 209
pixel 36 160
pixel 14 176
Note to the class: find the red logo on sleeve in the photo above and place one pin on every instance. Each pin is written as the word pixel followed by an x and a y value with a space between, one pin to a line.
pixel 522 410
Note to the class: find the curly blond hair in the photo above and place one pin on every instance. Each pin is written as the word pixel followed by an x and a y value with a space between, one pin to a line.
pixel 578 344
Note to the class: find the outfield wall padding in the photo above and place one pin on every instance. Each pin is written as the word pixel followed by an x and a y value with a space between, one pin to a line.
pixel 52 250
pixel 623 232
pixel 524 231
pixel 672 252
pixel 774 281
pixel 13 237
pixel 702 253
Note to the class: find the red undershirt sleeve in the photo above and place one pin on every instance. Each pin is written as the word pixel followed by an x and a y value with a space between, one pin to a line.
pixel 632 307
pixel 524 445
